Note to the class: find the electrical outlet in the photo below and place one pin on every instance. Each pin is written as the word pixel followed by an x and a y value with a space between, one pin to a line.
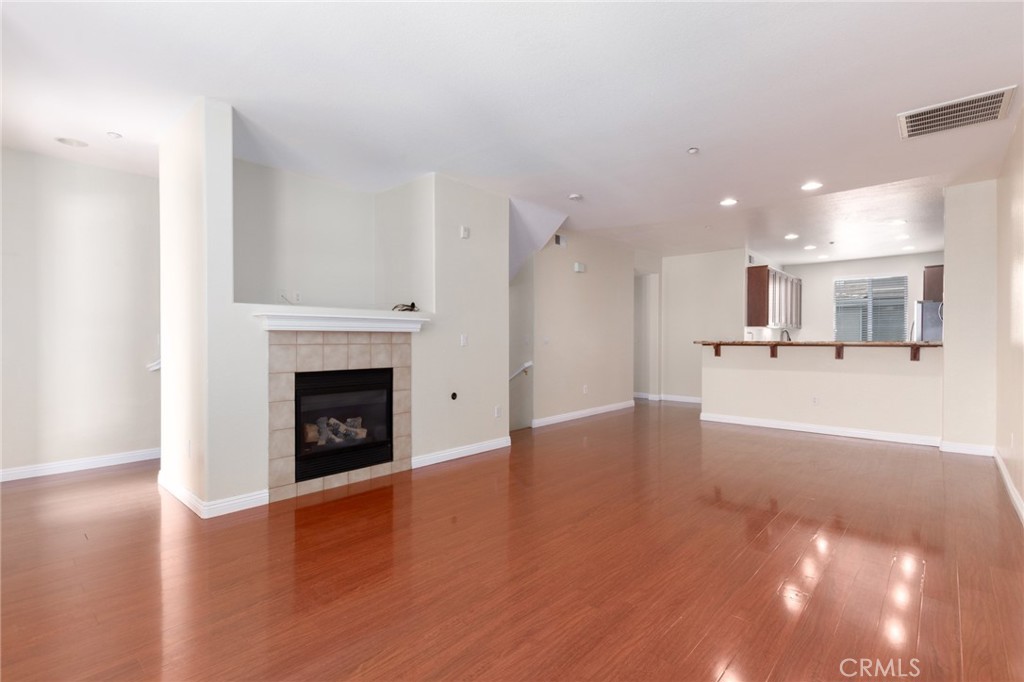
pixel 297 298
pixel 586 389
pixel 815 401
pixel 463 339
pixel 463 231
pixel 497 411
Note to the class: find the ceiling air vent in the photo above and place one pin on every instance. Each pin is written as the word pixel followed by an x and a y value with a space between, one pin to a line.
pixel 988 106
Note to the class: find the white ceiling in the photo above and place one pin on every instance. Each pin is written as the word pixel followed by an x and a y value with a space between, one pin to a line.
pixel 540 100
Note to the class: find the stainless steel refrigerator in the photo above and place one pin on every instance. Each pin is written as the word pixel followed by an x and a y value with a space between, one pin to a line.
pixel 927 321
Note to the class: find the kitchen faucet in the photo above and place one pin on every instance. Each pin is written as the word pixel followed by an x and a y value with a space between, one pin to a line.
pixel 785 333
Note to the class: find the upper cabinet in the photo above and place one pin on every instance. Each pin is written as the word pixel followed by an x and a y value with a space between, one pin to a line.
pixel 933 283
pixel 774 299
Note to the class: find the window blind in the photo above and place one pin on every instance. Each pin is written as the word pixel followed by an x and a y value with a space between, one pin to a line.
pixel 871 309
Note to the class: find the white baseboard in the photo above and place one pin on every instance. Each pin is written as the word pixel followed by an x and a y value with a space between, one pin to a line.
pixel 910 438
pixel 681 398
pixel 968 448
pixel 69 465
pixel 1011 489
pixel 579 414
pixel 654 397
pixel 227 505
pixel 461 451
pixel 208 510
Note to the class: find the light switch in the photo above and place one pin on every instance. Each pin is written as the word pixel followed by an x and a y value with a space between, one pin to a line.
pixel 463 231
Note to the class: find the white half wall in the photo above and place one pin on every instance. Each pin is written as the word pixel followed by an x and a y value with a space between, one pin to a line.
pixel 301 235
pixel 873 392
pixel 703 297
pixel 583 326
pixel 80 312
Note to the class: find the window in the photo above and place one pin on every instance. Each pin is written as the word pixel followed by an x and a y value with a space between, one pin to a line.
pixel 872 309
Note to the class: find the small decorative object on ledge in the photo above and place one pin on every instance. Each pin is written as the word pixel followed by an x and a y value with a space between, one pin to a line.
pixel 407 307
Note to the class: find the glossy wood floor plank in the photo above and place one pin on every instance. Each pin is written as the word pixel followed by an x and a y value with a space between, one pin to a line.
pixel 638 545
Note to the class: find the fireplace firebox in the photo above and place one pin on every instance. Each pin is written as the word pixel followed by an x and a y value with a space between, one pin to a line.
pixel 342 421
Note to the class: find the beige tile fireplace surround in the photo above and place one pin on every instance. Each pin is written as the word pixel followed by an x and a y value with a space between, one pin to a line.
pixel 314 351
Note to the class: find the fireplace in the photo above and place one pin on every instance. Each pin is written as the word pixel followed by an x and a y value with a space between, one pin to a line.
pixel 292 353
pixel 343 421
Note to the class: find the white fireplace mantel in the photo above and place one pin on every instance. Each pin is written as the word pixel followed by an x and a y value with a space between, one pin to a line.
pixel 344 321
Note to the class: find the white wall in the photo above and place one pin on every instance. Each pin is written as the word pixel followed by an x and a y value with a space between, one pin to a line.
pixel 1010 311
pixel 471 298
pixel 819 287
pixel 216 428
pixel 214 435
pixel 80 311
pixel 878 390
pixel 703 297
pixel 303 235
pixel 646 263
pixel 183 295
pixel 238 430
pixel 520 351
pixel 583 326
pixel 404 238
pixel 969 314
pixel 647 335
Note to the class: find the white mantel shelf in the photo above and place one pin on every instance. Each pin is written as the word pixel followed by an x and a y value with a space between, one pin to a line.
pixel 348 321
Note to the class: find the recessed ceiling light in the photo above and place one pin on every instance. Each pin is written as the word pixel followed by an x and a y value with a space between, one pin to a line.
pixel 792 236
pixel 909 248
pixel 575 197
pixel 71 142
pixel 898 221
pixel 901 237
pixel 810 247
pixel 811 186
pixel 693 150
pixel 822 257
pixel 728 201
pixel 114 135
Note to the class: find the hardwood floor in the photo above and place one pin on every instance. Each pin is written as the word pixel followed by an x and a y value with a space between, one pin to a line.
pixel 637 545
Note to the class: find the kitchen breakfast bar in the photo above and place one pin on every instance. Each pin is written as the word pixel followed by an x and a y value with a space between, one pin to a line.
pixel 888 391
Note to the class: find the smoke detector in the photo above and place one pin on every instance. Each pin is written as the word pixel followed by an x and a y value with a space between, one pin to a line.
pixel 966 111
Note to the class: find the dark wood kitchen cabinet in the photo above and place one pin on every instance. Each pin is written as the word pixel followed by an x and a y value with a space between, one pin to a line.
pixel 774 299
pixel 933 283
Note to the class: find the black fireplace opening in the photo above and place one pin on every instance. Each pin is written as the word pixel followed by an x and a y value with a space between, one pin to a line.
pixel 342 421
